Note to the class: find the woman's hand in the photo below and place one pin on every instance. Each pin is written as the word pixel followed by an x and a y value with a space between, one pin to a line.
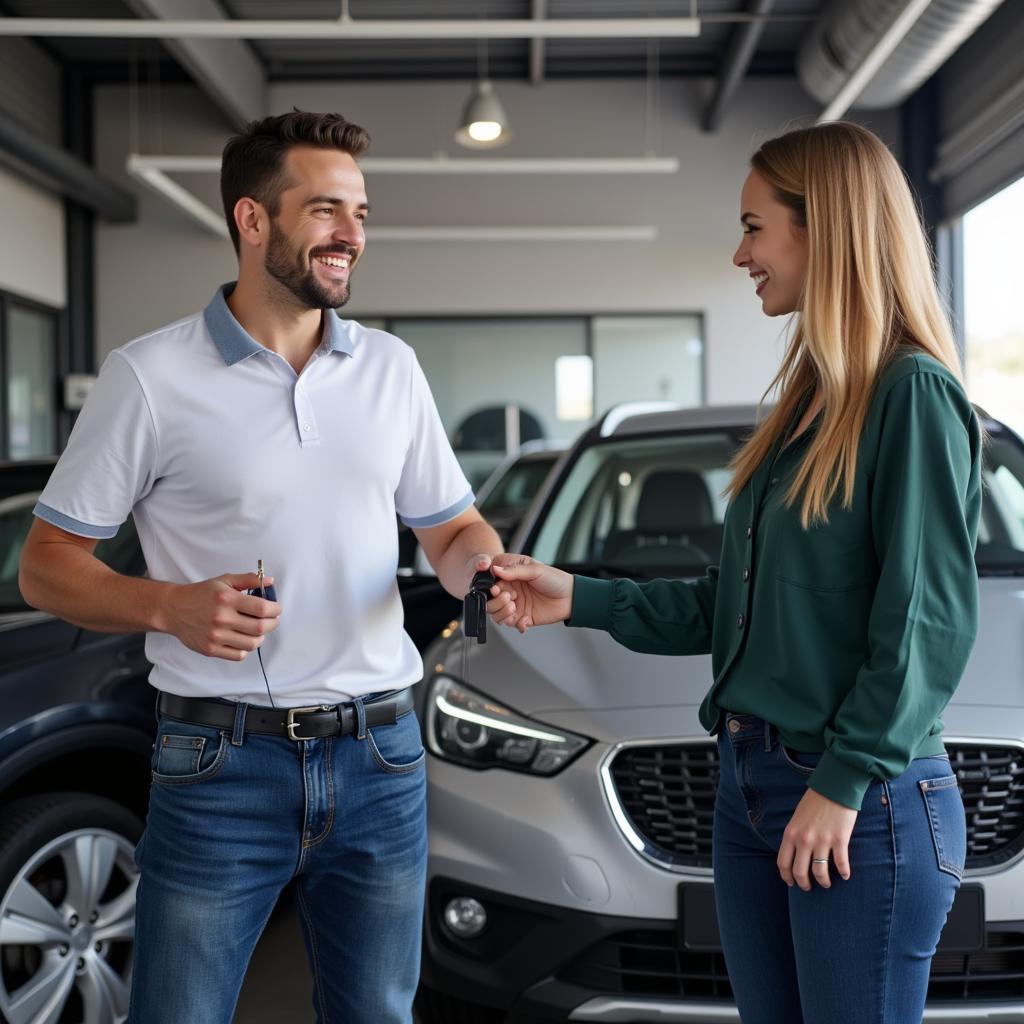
pixel 819 828
pixel 528 593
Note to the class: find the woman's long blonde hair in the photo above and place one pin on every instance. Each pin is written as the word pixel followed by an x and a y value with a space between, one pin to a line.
pixel 869 289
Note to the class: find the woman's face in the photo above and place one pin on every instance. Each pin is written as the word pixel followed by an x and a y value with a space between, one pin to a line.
pixel 773 249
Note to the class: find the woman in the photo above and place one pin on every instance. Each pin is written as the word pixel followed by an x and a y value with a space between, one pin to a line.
pixel 843 609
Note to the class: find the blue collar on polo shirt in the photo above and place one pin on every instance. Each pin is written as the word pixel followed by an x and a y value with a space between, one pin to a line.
pixel 235 343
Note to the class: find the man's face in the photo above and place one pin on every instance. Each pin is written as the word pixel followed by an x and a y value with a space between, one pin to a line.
pixel 318 234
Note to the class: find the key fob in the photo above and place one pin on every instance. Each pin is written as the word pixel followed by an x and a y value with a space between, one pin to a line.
pixel 474 607
pixel 268 593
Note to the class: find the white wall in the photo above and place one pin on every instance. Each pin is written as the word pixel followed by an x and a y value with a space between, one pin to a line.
pixel 32 253
pixel 162 267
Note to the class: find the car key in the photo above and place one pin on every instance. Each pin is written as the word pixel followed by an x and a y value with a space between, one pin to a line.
pixel 474 607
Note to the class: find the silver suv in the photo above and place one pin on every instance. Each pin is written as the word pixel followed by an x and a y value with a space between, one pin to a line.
pixel 571 786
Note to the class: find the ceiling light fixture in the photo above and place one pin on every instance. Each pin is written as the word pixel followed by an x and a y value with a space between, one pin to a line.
pixel 484 124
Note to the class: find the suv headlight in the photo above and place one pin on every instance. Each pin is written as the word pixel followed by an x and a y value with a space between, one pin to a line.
pixel 473 730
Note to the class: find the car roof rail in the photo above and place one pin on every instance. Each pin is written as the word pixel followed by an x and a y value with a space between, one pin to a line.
pixel 617 413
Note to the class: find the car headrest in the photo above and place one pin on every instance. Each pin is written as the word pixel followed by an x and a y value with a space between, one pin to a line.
pixel 672 501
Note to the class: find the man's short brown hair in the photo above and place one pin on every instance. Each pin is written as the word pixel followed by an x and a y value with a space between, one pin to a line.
pixel 253 161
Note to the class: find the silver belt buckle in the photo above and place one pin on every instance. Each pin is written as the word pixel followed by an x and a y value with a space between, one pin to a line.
pixel 293 725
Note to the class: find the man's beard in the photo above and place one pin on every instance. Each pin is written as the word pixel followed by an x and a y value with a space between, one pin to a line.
pixel 285 265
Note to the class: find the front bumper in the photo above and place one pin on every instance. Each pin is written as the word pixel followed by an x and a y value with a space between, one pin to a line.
pixel 542 962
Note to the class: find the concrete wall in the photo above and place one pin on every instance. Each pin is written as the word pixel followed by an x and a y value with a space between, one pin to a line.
pixel 162 267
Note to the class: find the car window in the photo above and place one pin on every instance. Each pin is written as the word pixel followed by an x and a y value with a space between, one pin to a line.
pixel 1001 531
pixel 649 506
pixel 654 507
pixel 515 490
pixel 120 552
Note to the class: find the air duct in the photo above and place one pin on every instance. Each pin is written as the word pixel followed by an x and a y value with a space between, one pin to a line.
pixel 848 31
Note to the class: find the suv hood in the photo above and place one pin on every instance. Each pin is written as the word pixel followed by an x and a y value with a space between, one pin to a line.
pixel 559 669
pixel 554 669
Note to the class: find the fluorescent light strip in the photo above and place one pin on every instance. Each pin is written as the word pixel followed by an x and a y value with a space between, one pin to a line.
pixel 494 723
pixel 514 233
pixel 449 165
pixel 318 29
pixel 150 171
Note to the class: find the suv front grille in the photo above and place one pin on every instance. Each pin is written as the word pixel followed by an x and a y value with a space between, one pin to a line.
pixel 991 778
pixel 668 794
pixel 649 963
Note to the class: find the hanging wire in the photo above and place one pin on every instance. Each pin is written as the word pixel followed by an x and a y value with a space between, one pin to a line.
pixel 133 101
pixel 652 99
pixel 481 45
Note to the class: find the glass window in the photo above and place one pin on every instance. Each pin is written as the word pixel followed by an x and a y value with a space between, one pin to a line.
pixel 648 358
pixel 478 367
pixel 1001 531
pixel 646 507
pixel 993 313
pixel 30 356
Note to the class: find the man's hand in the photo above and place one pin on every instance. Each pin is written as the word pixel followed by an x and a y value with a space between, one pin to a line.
pixel 819 828
pixel 528 593
pixel 218 619
pixel 478 563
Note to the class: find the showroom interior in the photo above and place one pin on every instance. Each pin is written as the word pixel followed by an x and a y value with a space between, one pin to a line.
pixel 578 263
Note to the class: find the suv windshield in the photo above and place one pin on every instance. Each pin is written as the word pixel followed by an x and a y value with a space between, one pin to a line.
pixel 645 507
pixel 653 506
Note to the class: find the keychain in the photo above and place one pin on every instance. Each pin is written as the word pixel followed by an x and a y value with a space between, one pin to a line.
pixel 267 592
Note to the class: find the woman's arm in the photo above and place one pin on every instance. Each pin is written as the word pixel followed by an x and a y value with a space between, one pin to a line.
pixel 925 506
pixel 660 617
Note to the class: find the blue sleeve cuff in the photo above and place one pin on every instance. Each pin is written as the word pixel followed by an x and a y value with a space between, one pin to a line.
pixel 441 517
pixel 55 518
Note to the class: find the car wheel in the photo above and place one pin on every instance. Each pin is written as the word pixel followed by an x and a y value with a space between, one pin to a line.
pixel 67 909
pixel 438 1008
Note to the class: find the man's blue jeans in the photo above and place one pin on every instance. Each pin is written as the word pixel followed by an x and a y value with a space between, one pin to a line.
pixel 860 952
pixel 232 819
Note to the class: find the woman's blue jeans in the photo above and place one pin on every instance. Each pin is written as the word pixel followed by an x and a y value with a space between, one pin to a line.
pixel 232 819
pixel 860 952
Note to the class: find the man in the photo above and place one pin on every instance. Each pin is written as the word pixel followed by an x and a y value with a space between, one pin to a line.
pixel 267 428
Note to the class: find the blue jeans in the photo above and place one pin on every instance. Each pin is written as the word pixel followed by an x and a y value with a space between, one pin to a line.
pixel 860 952
pixel 232 819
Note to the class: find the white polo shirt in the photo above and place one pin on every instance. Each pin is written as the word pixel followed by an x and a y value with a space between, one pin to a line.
pixel 225 455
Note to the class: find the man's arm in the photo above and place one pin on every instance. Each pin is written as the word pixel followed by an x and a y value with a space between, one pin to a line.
pixel 60 574
pixel 459 548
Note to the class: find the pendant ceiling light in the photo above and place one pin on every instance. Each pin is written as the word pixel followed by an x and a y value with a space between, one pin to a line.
pixel 484 124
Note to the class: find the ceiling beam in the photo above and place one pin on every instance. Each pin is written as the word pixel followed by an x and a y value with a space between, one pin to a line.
pixel 301 28
pixel 42 163
pixel 225 69
pixel 742 45
pixel 537 45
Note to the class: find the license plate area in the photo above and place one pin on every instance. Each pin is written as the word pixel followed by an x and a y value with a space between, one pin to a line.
pixel 697 926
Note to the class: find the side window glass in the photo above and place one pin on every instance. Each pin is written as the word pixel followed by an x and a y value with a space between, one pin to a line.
pixel 15 519
pixel 121 552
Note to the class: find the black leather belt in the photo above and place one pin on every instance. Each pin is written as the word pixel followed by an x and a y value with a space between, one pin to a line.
pixel 295 723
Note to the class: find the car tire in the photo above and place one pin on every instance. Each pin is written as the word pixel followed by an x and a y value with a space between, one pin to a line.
pixel 434 1007
pixel 67 908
